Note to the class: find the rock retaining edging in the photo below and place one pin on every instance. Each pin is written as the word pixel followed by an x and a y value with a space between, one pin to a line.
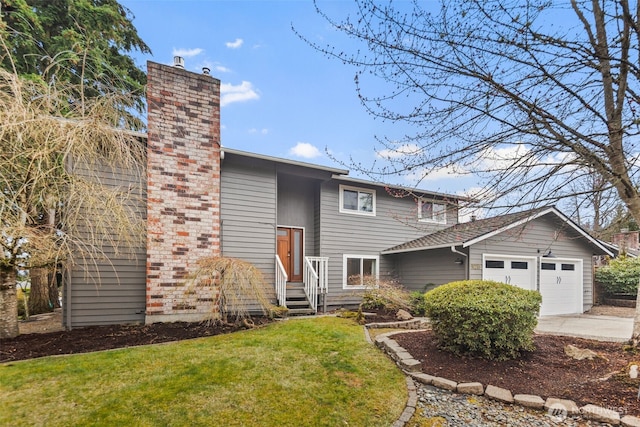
pixel 554 406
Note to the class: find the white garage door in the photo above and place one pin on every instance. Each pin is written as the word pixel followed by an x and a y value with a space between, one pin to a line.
pixel 560 286
pixel 517 271
pixel 560 279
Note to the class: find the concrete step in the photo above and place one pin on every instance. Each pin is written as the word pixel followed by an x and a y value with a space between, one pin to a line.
pixel 298 304
pixel 301 311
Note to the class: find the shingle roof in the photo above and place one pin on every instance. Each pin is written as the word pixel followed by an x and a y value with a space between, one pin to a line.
pixel 459 234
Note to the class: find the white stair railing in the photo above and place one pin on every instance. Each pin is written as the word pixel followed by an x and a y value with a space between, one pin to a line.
pixel 310 279
pixel 320 267
pixel 281 283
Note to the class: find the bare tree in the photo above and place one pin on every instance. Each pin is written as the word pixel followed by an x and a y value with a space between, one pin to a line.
pixel 596 204
pixel 527 95
pixel 55 206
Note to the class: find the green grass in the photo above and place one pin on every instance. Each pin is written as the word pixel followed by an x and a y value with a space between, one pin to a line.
pixel 310 372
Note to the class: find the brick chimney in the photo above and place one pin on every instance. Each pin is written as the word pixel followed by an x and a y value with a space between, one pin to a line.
pixel 183 190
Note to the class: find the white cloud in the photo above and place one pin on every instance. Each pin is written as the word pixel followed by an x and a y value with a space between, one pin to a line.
pixel 503 158
pixel 263 131
pixel 305 150
pixel 187 53
pixel 424 174
pixel 400 151
pixel 238 93
pixel 234 44
pixel 222 69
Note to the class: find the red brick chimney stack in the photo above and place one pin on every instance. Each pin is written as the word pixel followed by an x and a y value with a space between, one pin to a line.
pixel 183 189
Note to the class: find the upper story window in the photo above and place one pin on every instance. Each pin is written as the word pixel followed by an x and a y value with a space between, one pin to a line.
pixel 430 211
pixel 357 200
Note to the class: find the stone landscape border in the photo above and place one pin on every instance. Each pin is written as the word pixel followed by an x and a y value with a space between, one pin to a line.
pixel 413 369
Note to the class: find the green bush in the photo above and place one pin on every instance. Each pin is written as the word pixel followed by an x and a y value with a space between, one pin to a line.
pixel 418 307
pixel 484 319
pixel 620 276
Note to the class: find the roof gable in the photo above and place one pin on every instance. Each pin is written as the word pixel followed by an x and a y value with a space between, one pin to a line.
pixel 470 233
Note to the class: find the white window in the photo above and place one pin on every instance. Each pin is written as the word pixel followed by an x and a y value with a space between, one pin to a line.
pixel 429 211
pixel 357 200
pixel 360 271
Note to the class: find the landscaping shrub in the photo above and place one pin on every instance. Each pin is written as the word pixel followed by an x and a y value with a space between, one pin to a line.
pixel 620 276
pixel 483 318
pixel 238 283
pixel 23 307
pixel 417 301
pixel 388 295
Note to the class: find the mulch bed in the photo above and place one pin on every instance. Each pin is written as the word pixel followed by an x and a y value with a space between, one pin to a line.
pixel 95 338
pixel 547 371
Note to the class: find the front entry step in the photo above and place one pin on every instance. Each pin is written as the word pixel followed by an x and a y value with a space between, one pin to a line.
pixel 301 311
pixel 297 301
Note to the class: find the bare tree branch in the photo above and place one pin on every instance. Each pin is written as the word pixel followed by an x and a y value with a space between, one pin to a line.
pixel 527 96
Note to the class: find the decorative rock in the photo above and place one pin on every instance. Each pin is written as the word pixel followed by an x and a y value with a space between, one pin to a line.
pixel 597 413
pixel 445 384
pixel 568 406
pixel 423 378
pixel 529 400
pixel 470 388
pixel 630 421
pixel 403 315
pixel 498 393
pixel 579 353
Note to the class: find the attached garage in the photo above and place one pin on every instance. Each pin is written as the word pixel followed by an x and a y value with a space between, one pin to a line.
pixel 539 249
pixel 558 280
pixel 561 286
pixel 517 271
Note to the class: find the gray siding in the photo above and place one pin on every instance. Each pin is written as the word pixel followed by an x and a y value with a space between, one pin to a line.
pixel 395 222
pixel 434 267
pixel 535 239
pixel 297 207
pixel 111 289
pixel 248 214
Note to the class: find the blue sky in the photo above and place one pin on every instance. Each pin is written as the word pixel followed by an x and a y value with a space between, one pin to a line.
pixel 280 97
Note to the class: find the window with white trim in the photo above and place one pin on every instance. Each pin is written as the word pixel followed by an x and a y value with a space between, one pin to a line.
pixel 360 271
pixel 430 211
pixel 357 200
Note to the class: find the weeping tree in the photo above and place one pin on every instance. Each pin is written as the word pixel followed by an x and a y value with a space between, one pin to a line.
pixel 238 285
pixel 84 45
pixel 55 205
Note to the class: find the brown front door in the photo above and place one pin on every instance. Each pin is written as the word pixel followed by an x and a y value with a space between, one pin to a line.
pixel 290 252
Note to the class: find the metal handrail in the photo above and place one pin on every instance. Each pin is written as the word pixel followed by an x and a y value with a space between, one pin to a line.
pixel 281 283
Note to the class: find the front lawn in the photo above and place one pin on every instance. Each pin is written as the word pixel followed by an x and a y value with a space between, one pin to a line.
pixel 308 372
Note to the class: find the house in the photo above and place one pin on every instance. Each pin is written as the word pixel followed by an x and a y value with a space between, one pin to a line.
pixel 319 236
pixel 310 228
pixel 539 249
pixel 627 241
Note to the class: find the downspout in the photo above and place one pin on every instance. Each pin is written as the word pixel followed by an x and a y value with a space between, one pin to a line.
pixel 466 269
pixel 67 294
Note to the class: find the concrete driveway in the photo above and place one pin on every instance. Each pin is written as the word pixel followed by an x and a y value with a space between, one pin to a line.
pixel 601 328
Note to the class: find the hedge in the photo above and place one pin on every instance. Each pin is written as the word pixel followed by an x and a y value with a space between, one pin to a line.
pixel 483 318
